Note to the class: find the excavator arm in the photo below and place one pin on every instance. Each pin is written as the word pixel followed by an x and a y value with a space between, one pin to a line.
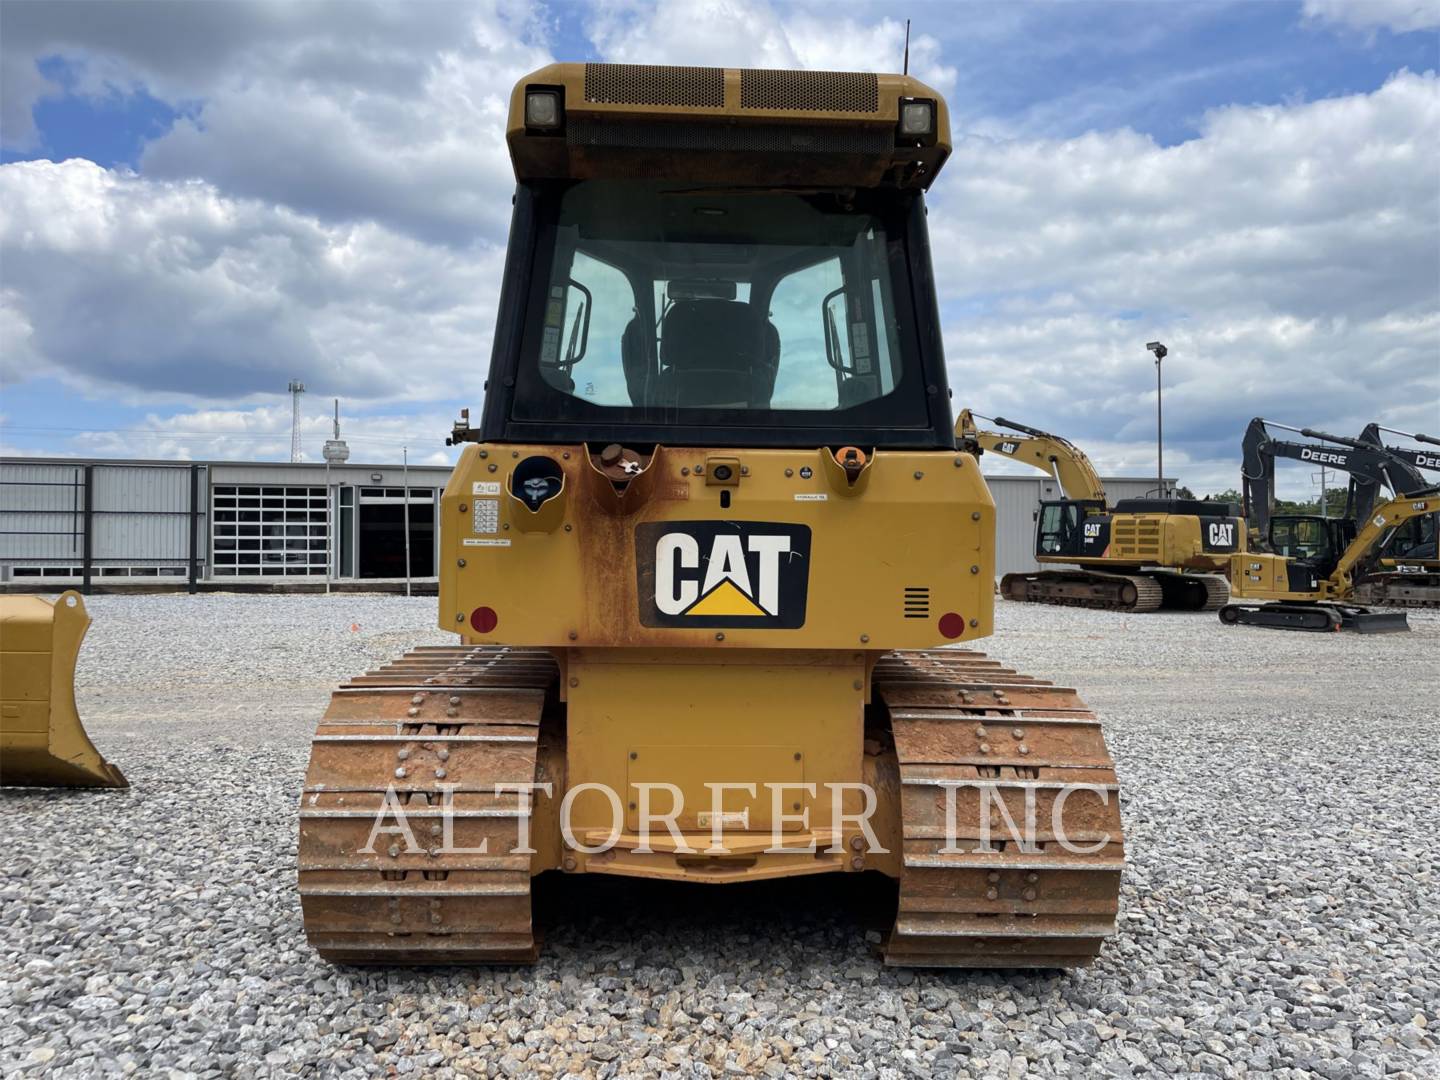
pixel 1370 466
pixel 1378 525
pixel 1059 458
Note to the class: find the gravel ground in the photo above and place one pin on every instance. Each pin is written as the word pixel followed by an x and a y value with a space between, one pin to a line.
pixel 1279 912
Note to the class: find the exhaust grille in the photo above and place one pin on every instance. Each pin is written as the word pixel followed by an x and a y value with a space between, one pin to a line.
pixel 643 84
pixel 917 601
pixel 1137 538
pixel 769 138
pixel 812 91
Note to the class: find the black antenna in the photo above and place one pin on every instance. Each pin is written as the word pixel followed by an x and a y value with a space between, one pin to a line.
pixel 907 48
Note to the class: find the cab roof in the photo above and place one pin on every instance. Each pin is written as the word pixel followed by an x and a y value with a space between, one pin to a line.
pixel 747 127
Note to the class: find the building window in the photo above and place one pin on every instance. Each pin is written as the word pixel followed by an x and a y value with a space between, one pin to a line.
pixel 268 531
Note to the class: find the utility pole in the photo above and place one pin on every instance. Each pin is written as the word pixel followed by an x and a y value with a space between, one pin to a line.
pixel 296 389
pixel 1160 353
pixel 336 452
pixel 405 473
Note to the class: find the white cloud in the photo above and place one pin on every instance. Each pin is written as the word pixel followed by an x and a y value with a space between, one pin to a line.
pixel 1400 16
pixel 263 433
pixel 345 111
pixel 752 33
pixel 1289 257
pixel 152 290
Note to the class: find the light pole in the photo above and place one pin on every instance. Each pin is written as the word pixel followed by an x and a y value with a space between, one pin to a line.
pixel 1160 353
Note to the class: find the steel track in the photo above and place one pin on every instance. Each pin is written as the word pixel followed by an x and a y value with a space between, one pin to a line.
pixel 471 717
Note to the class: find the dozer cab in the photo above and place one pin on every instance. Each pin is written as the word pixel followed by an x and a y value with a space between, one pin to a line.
pixel 1136 556
pixel 700 551
pixel 42 741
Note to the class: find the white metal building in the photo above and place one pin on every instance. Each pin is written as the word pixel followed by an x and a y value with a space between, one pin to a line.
pixel 71 521
pixel 228 523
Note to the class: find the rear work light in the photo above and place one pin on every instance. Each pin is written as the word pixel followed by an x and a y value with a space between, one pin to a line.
pixel 917 119
pixel 543 110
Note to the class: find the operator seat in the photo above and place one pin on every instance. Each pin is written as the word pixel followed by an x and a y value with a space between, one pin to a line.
pixel 717 354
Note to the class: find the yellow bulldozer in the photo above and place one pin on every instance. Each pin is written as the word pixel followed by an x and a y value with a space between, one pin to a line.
pixel 1136 556
pixel 700 552
pixel 42 741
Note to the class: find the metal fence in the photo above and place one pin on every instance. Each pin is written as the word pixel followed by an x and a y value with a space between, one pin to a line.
pixel 62 521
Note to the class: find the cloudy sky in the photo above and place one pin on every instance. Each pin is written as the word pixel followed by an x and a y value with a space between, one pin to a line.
pixel 202 201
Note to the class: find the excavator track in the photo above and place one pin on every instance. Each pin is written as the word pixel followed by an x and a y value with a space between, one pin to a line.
pixel 960 721
pixel 467 718
pixel 1135 593
pixel 460 719
pixel 1400 590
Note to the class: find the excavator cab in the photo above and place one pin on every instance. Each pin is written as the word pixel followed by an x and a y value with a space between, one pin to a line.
pixel 1074 527
pixel 1313 545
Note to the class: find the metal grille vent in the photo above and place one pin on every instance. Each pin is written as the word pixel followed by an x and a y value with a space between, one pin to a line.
pixel 917 601
pixel 643 84
pixel 814 91
pixel 777 138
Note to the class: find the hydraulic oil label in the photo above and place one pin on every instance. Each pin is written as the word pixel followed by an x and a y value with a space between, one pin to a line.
pixel 740 574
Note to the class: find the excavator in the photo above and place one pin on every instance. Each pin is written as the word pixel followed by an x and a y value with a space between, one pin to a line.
pixel 700 551
pixel 1139 555
pixel 1306 566
pixel 1405 569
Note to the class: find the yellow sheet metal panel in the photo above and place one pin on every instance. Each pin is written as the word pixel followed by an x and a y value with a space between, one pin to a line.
pixel 778 719
pixel 789 556
pixel 42 742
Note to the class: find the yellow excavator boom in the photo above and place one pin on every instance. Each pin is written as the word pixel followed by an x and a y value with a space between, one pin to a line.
pixel 42 742
pixel 1060 458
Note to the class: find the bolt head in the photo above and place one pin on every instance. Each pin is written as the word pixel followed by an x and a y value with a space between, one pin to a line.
pixel 1032 876
pixel 993 876
pixel 1024 749
pixel 440 774
pixel 400 773
pixel 984 748
pixel 856 843
pixel 574 681
pixel 435 918
pixel 857 862
pixel 443 755
pixel 435 829
pixel 864 639
pixel 454 700
pixel 569 863
pixel 1017 733
pixel 992 894
pixel 980 731
pixel 402 754
pixel 975 515
pixel 394 851
pixel 1029 894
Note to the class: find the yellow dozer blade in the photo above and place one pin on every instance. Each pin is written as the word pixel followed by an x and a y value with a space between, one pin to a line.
pixel 42 742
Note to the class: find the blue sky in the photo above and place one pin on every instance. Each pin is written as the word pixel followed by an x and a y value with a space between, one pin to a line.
pixel 1096 83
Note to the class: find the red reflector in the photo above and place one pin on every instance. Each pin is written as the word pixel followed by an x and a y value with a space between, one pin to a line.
pixel 484 619
pixel 952 624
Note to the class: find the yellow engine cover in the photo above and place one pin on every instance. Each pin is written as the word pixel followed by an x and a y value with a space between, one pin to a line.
pixel 697 548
